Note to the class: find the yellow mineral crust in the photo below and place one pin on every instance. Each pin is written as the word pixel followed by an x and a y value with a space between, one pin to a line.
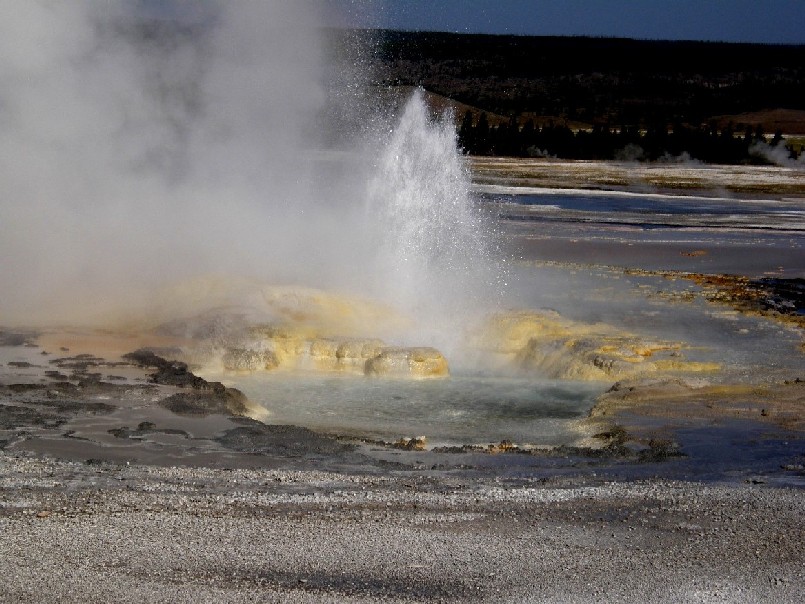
pixel 782 404
pixel 278 348
pixel 417 362
pixel 296 310
pixel 544 342
pixel 351 355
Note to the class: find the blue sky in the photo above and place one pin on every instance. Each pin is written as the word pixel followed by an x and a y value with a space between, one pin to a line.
pixel 767 21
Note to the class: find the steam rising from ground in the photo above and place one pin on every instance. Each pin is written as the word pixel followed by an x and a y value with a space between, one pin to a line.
pixel 138 150
pixel 777 155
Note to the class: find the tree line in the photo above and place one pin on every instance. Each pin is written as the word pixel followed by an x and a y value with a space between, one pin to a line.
pixel 707 143
pixel 595 80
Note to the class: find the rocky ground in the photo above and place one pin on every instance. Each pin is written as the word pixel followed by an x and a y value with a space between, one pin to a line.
pixel 141 533
pixel 231 509
pixel 686 178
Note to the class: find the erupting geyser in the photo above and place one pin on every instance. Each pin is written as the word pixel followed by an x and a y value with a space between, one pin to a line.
pixel 150 144
pixel 435 246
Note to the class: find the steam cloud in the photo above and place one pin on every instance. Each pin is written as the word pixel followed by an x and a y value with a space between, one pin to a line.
pixel 137 149
pixel 145 143
pixel 777 155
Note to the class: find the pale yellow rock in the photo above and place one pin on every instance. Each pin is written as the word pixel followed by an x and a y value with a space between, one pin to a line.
pixel 287 344
pixel 418 362
pixel 247 361
pixel 359 349
pixel 351 355
pixel 324 348
pixel 685 366
pixel 338 354
pixel 544 342
pixel 510 332
pixel 290 348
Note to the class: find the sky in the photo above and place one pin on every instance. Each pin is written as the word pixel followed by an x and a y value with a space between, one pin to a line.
pixel 765 21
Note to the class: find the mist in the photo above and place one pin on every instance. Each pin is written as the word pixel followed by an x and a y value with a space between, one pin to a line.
pixel 134 152
pixel 777 155
pixel 148 144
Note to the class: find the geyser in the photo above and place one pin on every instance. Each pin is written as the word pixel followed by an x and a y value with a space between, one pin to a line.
pixel 147 144
pixel 434 246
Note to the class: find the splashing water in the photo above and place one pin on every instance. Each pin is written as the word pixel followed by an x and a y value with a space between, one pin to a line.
pixel 434 255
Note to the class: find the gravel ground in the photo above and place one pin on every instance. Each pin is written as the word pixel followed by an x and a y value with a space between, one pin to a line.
pixel 100 532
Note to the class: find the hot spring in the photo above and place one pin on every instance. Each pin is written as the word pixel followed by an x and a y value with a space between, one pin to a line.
pixel 213 177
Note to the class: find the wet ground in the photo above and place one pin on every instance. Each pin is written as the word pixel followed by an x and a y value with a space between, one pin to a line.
pixel 676 268
pixel 88 408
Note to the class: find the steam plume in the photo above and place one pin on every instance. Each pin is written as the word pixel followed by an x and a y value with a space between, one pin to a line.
pixel 135 151
pixel 142 144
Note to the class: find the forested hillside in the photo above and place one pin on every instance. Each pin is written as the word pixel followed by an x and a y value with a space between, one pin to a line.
pixel 597 97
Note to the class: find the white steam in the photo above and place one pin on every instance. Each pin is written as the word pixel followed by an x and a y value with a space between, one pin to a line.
pixel 134 152
pixel 777 155
pixel 144 143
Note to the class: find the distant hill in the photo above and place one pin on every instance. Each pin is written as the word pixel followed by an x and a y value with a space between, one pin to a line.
pixel 395 96
pixel 597 81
